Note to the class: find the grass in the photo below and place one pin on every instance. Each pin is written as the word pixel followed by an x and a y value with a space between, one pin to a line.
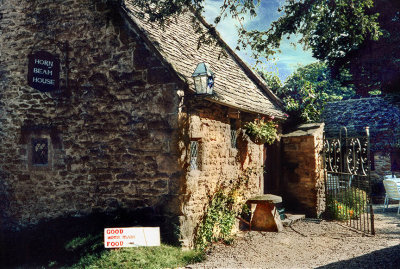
pixel 143 257
pixel 93 255
pixel 88 252
pixel 77 242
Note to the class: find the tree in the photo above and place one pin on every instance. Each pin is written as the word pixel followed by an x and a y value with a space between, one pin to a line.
pixel 375 65
pixel 357 35
pixel 308 89
pixel 342 33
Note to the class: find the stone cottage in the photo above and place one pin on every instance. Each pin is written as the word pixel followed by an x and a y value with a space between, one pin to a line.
pixel 98 111
pixel 382 116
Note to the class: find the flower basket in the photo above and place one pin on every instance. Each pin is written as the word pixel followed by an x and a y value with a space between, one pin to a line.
pixel 257 140
pixel 261 131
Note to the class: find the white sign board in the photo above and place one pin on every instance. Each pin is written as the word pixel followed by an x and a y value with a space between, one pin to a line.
pixel 131 237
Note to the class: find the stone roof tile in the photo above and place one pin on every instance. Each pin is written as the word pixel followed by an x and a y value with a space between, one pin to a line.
pixel 380 114
pixel 235 84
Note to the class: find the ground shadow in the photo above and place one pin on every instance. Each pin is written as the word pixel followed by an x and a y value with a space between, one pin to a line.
pixel 384 258
pixel 49 242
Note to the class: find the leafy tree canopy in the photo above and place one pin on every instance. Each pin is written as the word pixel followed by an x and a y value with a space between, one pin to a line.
pixel 308 89
pixel 375 65
pixel 358 35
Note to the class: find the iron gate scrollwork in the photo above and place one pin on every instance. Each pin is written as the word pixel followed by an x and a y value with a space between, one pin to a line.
pixel 347 180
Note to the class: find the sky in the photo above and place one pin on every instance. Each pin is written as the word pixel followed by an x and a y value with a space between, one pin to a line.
pixel 290 57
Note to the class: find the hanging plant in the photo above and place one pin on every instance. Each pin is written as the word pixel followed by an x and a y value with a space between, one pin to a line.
pixel 261 131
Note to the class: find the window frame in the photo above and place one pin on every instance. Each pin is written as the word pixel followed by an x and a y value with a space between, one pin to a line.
pixel 39 166
pixel 233 132
pixel 194 154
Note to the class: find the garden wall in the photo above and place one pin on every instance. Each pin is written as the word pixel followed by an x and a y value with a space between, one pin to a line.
pixel 303 174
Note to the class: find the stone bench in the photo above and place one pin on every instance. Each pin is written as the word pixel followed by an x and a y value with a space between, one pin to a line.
pixel 264 215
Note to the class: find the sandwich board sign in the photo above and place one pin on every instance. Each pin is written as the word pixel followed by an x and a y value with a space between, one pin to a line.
pixel 43 71
pixel 131 237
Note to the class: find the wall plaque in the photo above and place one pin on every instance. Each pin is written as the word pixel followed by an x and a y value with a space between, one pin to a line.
pixel 44 71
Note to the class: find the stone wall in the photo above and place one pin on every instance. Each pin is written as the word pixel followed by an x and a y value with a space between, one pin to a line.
pixel 119 129
pixel 219 164
pixel 303 173
pixel 111 133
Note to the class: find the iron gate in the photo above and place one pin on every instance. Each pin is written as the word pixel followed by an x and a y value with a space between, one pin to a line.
pixel 347 180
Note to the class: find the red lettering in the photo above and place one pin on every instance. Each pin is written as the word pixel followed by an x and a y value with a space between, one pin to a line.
pixel 114 237
pixel 116 244
pixel 114 231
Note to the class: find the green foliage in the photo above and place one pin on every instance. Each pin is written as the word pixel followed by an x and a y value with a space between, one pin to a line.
pixel 308 89
pixel 89 243
pixel 340 211
pixel 375 92
pixel 222 210
pixel 318 76
pixel 330 28
pixel 261 131
pixel 335 30
pixel 376 64
pixel 142 257
pixel 273 81
pixel 218 222
pixel 348 204
pixel 360 37
pixel 93 255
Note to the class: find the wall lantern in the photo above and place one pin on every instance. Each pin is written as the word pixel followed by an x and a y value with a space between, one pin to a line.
pixel 203 79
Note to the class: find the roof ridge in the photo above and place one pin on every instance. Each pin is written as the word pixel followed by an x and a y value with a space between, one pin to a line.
pixel 255 77
pixel 241 88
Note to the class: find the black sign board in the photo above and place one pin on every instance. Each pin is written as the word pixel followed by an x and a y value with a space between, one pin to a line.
pixel 44 71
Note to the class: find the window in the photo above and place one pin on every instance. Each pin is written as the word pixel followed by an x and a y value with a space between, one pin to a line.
pixel 233 133
pixel 194 150
pixel 41 143
pixel 40 151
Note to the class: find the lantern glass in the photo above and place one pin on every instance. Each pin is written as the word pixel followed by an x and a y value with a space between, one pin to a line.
pixel 203 79
pixel 210 84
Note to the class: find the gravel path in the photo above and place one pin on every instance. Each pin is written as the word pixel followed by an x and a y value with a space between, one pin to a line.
pixel 313 244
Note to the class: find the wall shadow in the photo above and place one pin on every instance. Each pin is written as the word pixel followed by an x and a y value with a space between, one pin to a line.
pixel 48 242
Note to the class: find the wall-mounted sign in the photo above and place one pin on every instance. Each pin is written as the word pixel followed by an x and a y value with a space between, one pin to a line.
pixel 44 71
pixel 131 237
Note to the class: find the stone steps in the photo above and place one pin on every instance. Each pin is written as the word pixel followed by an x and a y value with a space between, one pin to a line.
pixel 291 219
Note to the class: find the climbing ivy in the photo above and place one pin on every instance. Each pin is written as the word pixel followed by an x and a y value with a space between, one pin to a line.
pixel 220 216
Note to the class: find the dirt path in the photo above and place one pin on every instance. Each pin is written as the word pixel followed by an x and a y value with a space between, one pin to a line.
pixel 313 244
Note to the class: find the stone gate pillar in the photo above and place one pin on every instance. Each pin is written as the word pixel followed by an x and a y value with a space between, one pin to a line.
pixel 303 171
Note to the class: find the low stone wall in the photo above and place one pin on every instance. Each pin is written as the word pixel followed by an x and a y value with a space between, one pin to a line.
pixel 303 174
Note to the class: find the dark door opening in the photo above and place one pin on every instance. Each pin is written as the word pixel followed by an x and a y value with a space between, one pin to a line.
pixel 272 168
